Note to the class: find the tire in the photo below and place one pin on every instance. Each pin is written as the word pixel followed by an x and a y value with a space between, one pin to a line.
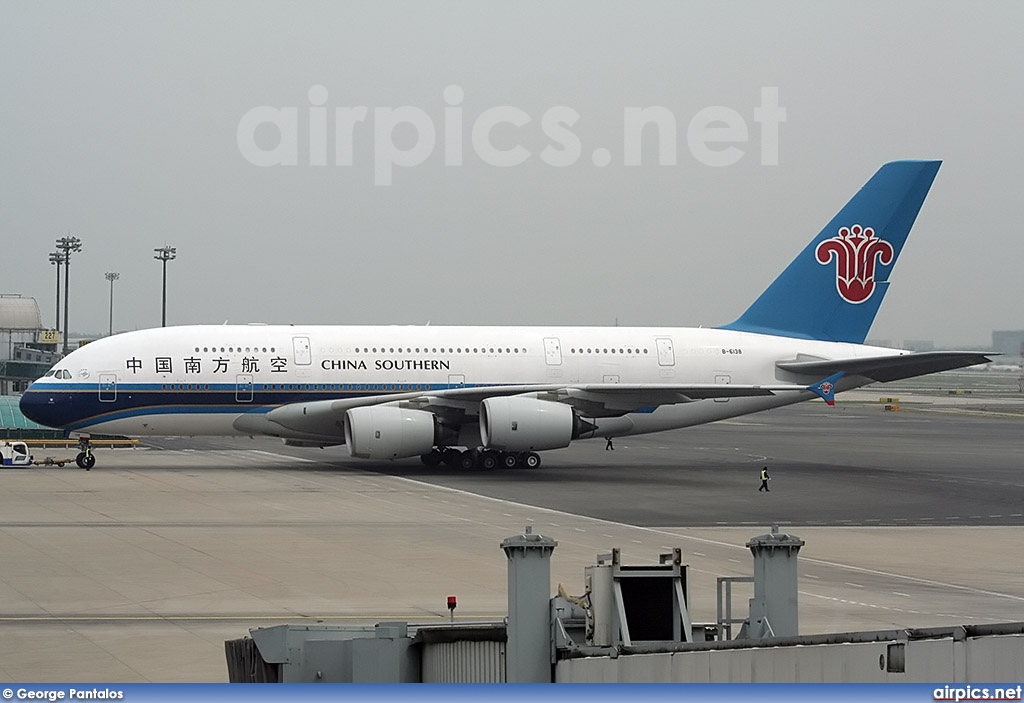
pixel 531 460
pixel 431 458
pixel 451 457
pixel 467 460
pixel 85 461
pixel 488 461
pixel 509 460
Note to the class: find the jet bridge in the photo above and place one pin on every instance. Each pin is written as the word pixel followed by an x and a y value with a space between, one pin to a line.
pixel 634 604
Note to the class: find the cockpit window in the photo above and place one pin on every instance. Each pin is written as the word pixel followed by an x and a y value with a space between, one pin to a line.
pixel 49 373
pixel 58 373
pixel 65 374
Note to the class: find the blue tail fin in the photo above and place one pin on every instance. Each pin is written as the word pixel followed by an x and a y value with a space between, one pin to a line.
pixel 833 289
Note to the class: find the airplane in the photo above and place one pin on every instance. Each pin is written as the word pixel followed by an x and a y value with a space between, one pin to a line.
pixel 497 396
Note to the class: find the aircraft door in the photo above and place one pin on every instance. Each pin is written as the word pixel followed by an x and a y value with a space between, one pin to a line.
pixel 108 387
pixel 666 356
pixel 303 353
pixel 722 378
pixel 552 351
pixel 243 388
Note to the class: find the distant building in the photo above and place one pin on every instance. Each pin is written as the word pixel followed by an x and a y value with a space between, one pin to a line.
pixel 919 345
pixel 880 343
pixel 1010 342
pixel 27 349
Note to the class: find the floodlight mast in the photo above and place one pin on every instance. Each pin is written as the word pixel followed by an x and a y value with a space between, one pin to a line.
pixel 67 245
pixel 58 259
pixel 165 254
pixel 111 276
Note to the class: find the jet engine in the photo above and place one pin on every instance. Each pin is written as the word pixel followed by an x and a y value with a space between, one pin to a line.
pixel 387 432
pixel 521 424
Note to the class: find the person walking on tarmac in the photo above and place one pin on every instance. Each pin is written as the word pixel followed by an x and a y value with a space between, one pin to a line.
pixel 609 446
pixel 765 478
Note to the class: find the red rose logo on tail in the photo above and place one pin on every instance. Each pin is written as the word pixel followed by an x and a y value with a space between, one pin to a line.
pixel 856 250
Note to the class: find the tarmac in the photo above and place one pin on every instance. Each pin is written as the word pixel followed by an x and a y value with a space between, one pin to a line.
pixel 140 569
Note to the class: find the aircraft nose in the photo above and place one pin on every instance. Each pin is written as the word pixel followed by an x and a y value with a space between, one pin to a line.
pixel 40 406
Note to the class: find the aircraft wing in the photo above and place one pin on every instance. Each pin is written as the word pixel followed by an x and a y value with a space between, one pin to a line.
pixel 655 393
pixel 613 399
pixel 887 368
pixel 323 420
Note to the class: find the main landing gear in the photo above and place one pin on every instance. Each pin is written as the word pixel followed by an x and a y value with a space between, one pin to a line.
pixel 487 459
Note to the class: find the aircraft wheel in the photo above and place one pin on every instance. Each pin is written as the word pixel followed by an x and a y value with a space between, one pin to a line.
pixel 509 460
pixel 451 457
pixel 85 461
pixel 467 460
pixel 431 458
pixel 531 460
pixel 488 461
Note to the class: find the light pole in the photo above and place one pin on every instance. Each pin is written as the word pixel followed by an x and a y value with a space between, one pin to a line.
pixel 67 245
pixel 165 254
pixel 111 276
pixel 58 259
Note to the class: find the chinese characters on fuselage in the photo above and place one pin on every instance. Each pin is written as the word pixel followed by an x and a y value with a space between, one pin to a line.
pixel 193 365
pixel 279 364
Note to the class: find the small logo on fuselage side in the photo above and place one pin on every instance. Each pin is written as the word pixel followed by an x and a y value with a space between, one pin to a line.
pixel 856 250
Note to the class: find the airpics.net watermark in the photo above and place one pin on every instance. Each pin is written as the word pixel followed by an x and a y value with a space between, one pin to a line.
pixel 715 136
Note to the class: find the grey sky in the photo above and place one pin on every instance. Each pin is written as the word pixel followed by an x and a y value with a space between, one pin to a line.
pixel 119 125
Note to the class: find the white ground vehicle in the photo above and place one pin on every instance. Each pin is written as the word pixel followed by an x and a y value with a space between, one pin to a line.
pixel 14 454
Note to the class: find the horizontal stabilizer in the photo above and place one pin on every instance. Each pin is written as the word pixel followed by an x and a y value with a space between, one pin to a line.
pixel 888 368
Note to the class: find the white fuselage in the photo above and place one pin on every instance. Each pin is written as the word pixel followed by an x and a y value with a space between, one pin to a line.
pixel 197 380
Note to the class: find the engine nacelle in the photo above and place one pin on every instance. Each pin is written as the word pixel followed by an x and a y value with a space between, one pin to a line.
pixel 518 424
pixel 387 432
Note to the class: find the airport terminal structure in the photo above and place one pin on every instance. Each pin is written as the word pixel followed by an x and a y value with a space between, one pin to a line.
pixel 631 625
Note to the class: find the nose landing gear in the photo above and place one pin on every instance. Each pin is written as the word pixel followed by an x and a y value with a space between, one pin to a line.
pixel 85 458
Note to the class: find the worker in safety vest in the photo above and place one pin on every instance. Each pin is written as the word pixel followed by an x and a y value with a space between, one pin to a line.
pixel 765 478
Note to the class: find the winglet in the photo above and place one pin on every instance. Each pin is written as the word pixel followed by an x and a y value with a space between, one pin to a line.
pixel 826 389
